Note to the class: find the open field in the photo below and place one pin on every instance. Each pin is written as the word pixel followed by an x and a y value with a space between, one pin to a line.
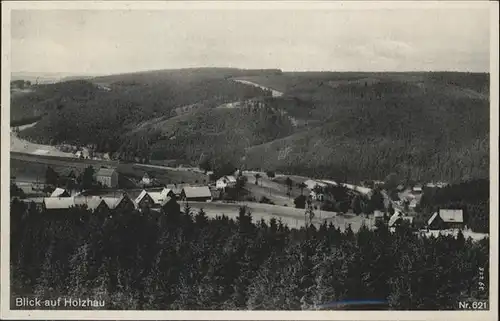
pixel 27 167
pixel 293 217
pixel 23 146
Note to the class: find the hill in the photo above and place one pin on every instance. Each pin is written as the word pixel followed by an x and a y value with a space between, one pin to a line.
pixel 421 126
pixel 106 108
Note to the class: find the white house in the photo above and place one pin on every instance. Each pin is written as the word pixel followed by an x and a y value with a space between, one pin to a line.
pixel 59 192
pixel 316 196
pixel 225 181
pixel 153 197
pixel 107 177
pixel 146 179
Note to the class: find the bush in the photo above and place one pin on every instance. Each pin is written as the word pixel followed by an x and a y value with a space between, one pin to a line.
pixel 270 174
pixel 300 201
pixel 328 206
pixel 265 200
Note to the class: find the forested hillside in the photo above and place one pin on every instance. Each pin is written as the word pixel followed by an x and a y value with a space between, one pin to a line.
pixel 420 126
pixel 182 260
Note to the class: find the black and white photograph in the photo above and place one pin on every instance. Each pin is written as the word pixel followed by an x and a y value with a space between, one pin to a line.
pixel 202 157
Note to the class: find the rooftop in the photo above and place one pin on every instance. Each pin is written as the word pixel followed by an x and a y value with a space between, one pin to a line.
pixel 103 171
pixel 197 191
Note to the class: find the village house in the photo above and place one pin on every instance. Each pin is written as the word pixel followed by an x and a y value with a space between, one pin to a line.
pixel 60 192
pixel 146 179
pixel 108 177
pixel 119 203
pixel 216 193
pixel 58 203
pixel 446 219
pixel 144 200
pixel 196 193
pixel 316 196
pixel 153 198
pixel 416 190
pixel 93 203
pixel 397 219
pixel 378 216
pixel 176 188
pixel 225 181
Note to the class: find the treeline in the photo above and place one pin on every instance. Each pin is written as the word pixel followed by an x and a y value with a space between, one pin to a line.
pixel 181 260
pixel 214 133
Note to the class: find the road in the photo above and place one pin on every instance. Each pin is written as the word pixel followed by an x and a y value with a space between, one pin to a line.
pixel 274 92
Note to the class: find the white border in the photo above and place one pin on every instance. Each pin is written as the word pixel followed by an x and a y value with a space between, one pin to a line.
pixel 247 315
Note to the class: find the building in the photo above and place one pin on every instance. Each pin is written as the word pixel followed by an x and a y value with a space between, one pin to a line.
pixel 119 203
pixel 414 203
pixel 446 219
pixel 60 192
pixel 146 179
pixel 153 198
pixel 176 188
pixel 107 177
pixel 58 203
pixel 225 181
pixel 196 193
pixel 144 200
pixel 216 193
pixel 397 219
pixel 93 203
pixel 316 196
pixel 378 216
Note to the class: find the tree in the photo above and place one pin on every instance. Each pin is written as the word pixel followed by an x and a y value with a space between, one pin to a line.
pixel 391 181
pixel 356 204
pixel 205 165
pixel 300 201
pixel 301 186
pixel 390 209
pixel 270 174
pixel 51 176
pixel 377 200
pixel 309 214
pixel 86 179
pixel 342 206
pixel 257 177
pixel 289 184
pixel 223 169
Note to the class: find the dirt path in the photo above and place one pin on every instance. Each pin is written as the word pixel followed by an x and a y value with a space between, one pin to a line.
pixel 275 93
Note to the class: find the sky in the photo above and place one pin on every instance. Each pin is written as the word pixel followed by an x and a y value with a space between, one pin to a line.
pixel 112 41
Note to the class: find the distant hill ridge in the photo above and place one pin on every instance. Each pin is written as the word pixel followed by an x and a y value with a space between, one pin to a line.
pixel 418 125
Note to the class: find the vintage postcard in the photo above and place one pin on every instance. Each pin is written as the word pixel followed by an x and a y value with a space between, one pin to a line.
pixel 249 160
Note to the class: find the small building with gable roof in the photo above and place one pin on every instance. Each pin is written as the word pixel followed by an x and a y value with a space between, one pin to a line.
pixel 107 177
pixel 60 192
pixel 196 193
pixel 446 219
